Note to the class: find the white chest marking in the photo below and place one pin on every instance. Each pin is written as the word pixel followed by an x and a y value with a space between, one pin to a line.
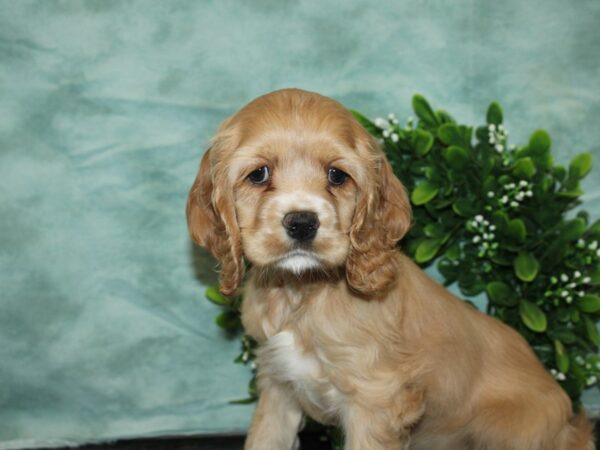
pixel 282 359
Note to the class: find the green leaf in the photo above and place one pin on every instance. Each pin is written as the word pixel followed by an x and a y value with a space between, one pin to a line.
pixel 366 123
pixel 501 293
pixel 500 220
pixel 434 230
pixel 449 134
pixel 516 230
pixel 213 294
pixel 589 303
pixel 532 316
pixel 592 330
pixel 443 116
pixel 453 252
pixel 539 142
pixel 424 111
pixel 424 192
pixel 560 173
pixel 580 165
pixel 573 193
pixel 243 401
pixel 573 229
pixel 457 157
pixel 595 228
pixel 228 320
pixel 427 249
pixel 494 114
pixel 566 336
pixel 562 358
pixel 448 270
pixel 464 207
pixel 526 267
pixel 422 141
pixel 524 168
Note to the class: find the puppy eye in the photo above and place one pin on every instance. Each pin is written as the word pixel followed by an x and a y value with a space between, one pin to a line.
pixel 336 177
pixel 259 176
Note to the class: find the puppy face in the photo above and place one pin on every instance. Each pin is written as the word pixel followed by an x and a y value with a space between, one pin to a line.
pixel 292 182
pixel 295 195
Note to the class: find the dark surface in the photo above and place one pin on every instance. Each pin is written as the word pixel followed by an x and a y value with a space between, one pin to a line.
pixel 308 442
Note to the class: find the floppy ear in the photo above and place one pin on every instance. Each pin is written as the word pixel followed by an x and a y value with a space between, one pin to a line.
pixel 212 223
pixel 382 217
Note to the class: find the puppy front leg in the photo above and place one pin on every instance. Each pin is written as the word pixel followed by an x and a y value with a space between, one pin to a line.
pixel 372 430
pixel 276 420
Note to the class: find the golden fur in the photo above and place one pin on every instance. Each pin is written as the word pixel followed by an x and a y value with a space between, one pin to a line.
pixel 358 336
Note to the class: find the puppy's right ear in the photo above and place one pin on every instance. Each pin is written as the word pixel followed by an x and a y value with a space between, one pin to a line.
pixel 212 224
pixel 203 223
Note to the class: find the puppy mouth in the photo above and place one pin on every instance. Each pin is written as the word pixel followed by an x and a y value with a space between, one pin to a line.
pixel 298 261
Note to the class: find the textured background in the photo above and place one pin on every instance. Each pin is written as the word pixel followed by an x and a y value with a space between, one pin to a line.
pixel 105 109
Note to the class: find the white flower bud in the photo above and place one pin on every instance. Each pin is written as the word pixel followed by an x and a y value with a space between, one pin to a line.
pixel 523 183
pixel 492 127
pixel 564 278
pixel 564 294
pixel 504 199
pixel 386 133
pixel 380 122
pixel 492 227
pixel 514 204
pixel 577 274
pixel 395 137
pixel 476 239
pixel 561 376
pixel 499 148
pixel 490 194
pixel 529 193
pixel 479 218
pixel 586 280
pixel 593 245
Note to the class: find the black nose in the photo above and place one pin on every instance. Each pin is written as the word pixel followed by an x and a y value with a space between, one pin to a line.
pixel 301 225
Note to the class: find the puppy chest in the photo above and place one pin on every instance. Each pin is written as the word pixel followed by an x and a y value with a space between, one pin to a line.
pixel 285 361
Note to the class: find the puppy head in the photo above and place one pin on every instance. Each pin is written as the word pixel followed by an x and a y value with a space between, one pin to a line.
pixel 294 183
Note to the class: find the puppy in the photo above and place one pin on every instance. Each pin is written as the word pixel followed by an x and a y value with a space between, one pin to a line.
pixel 350 331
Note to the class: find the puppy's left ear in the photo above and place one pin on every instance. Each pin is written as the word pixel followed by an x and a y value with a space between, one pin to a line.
pixel 212 222
pixel 382 217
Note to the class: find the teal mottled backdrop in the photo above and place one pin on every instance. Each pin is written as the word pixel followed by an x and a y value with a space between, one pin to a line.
pixel 105 109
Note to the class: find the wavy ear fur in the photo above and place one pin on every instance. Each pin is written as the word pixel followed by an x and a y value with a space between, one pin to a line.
pixel 381 219
pixel 212 223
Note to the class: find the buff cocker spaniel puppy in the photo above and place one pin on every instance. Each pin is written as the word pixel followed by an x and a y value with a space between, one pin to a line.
pixel 350 331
